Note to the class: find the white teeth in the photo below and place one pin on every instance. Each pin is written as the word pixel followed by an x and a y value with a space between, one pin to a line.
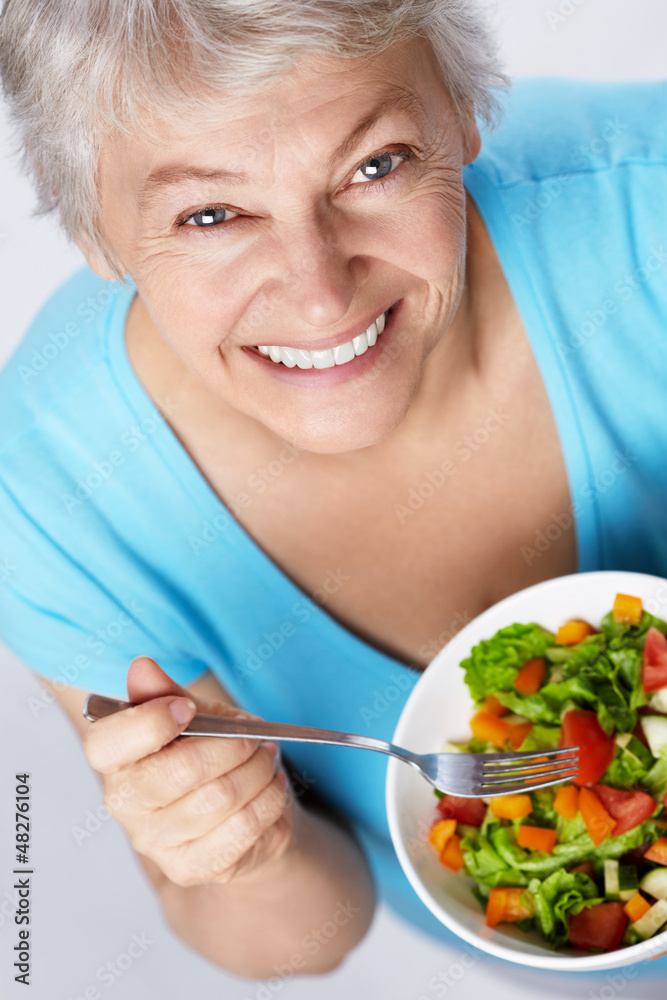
pixel 303 358
pixel 344 352
pixel 323 359
pixel 288 356
pixel 360 343
pixel 340 355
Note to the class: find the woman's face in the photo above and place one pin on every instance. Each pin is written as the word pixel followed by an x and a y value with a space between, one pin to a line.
pixel 322 234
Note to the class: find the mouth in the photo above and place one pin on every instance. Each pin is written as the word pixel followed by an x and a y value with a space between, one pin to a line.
pixel 331 357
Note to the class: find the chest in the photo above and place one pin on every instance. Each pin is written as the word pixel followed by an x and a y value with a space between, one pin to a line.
pixel 406 549
pixel 404 554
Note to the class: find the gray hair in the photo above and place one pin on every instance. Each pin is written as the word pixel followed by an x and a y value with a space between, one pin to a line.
pixel 77 72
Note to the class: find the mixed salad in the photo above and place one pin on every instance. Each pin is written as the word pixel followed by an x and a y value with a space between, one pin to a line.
pixel 584 863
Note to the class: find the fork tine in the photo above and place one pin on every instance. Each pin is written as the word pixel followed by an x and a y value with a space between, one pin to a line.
pixel 486 791
pixel 521 755
pixel 505 779
pixel 530 766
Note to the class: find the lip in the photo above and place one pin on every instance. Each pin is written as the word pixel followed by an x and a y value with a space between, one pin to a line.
pixel 333 341
pixel 313 377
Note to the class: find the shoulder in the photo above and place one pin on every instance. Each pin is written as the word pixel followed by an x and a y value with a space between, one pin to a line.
pixel 61 347
pixel 554 126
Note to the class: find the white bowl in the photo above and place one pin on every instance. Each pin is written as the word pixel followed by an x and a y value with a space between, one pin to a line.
pixel 439 708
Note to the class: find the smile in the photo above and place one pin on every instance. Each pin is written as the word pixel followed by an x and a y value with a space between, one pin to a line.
pixel 340 355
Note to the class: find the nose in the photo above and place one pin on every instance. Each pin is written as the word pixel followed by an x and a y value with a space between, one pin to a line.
pixel 321 279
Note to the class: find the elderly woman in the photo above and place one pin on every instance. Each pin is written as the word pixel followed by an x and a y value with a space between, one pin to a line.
pixel 337 377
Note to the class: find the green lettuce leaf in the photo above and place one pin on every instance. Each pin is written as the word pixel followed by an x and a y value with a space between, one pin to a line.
pixel 656 779
pixel 630 766
pixel 619 635
pixel 494 663
pixel 556 897
pixel 541 737
pixel 494 858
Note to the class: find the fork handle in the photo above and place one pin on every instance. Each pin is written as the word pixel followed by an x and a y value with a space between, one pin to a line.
pixel 98 706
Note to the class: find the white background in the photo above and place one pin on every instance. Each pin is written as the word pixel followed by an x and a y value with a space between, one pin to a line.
pixel 89 899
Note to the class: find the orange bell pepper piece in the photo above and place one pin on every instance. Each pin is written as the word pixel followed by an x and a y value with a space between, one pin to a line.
pixel 511 806
pixel 658 851
pixel 531 676
pixel 493 706
pixel 598 821
pixel 440 833
pixel 518 733
pixel 537 838
pixel 452 855
pixel 636 907
pixel 505 905
pixel 490 729
pixel 627 610
pixel 573 632
pixel 566 802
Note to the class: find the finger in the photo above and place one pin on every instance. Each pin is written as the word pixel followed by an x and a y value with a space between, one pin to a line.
pixel 269 848
pixel 147 680
pixel 214 857
pixel 126 736
pixel 201 810
pixel 182 766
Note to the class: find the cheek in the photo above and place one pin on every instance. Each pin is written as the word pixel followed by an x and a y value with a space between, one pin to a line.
pixel 430 238
pixel 192 304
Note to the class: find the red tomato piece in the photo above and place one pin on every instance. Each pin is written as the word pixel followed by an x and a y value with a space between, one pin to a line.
pixel 469 811
pixel 600 926
pixel 628 807
pixel 654 672
pixel 596 750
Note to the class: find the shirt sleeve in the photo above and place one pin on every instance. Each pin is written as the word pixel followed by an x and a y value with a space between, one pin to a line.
pixel 61 620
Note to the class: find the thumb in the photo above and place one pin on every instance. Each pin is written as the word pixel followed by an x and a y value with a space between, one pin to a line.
pixel 146 680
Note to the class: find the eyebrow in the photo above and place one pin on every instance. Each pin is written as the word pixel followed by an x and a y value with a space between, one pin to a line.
pixel 395 101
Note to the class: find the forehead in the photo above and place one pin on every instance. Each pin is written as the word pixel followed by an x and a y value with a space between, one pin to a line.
pixel 322 102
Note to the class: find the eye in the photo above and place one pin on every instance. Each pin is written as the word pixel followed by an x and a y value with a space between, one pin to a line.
pixel 375 168
pixel 379 165
pixel 207 218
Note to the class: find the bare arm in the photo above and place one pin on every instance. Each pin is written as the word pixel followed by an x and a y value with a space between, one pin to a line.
pixel 300 912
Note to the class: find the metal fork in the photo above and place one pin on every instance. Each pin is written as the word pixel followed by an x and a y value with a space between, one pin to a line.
pixel 468 775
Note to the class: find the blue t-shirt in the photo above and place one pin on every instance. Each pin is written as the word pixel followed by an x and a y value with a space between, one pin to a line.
pixel 114 545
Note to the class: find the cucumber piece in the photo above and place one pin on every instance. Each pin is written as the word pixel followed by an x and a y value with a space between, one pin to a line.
pixel 655 883
pixel 627 882
pixel 658 701
pixel 651 922
pixel 620 881
pixel 655 730
pixel 556 675
pixel 611 882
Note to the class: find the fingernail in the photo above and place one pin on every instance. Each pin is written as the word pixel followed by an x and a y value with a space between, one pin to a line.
pixel 270 745
pixel 282 778
pixel 182 709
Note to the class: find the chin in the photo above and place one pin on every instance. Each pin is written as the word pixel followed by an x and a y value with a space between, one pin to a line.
pixel 342 429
